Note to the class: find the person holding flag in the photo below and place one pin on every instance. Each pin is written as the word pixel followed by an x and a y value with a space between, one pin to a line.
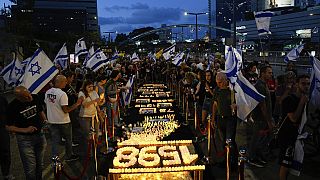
pixel 263 122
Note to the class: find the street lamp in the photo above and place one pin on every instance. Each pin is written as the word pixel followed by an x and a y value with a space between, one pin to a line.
pixel 109 33
pixel 195 14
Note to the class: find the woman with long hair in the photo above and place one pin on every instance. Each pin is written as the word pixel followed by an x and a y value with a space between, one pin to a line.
pixel 89 110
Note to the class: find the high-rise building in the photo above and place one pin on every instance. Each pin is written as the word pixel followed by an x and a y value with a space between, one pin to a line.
pixel 224 14
pixel 49 16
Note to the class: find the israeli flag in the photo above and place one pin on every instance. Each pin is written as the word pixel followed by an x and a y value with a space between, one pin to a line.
pixel 152 56
pixel 39 71
pixel 178 59
pixel 24 64
pixel 169 52
pixel 17 71
pixel 246 95
pixel 80 48
pixel 263 21
pixel 315 82
pixel 90 53
pixel 134 57
pixel 293 55
pixel 62 57
pixel 6 73
pixel 233 63
pixel 97 60
pixel 114 58
pixel 127 95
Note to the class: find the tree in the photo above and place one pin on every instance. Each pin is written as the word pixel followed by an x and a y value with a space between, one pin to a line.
pixel 121 38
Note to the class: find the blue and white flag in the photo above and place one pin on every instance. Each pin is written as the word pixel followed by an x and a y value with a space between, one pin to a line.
pixel 88 56
pixel 169 52
pixel 293 55
pixel 246 95
pixel 233 63
pixel 80 48
pixel 134 57
pixel 97 60
pixel 263 22
pixel 24 64
pixel 178 59
pixel 39 71
pixel 152 56
pixel 17 71
pixel 126 96
pixel 114 58
pixel 315 82
pixel 62 57
pixel 6 73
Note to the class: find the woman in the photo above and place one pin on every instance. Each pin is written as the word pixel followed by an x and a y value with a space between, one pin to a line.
pixel 89 110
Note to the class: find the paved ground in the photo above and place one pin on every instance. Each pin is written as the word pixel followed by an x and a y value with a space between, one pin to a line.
pixel 311 165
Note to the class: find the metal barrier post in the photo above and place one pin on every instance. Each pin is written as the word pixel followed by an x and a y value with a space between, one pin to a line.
pixel 57 167
pixel 241 160
pixel 228 147
pixel 195 116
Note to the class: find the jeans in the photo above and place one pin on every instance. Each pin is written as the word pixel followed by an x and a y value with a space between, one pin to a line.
pixel 61 130
pixel 259 142
pixel 32 148
pixel 112 107
pixel 85 125
pixel 5 155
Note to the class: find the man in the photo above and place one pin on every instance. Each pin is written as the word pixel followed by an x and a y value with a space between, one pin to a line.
pixel 25 119
pixel 292 110
pixel 72 98
pixel 111 88
pixel 263 122
pixel 58 116
pixel 223 113
pixel 5 155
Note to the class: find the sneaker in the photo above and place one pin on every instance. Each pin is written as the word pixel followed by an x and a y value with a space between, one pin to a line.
pixel 9 177
pixel 74 144
pixel 72 158
pixel 63 140
pixel 255 163
pixel 262 160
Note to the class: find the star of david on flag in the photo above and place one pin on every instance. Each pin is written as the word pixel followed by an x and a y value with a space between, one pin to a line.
pixel 39 71
pixel 35 68
pixel 169 52
pixel 97 60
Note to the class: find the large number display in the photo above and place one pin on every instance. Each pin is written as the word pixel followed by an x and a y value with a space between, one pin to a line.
pixel 153 156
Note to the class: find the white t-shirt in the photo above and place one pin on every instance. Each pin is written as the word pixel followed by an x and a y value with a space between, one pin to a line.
pixel 91 110
pixel 55 98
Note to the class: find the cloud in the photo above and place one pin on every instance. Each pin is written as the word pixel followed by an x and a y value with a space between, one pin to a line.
pixel 145 16
pixel 111 20
pixel 132 7
pixel 139 6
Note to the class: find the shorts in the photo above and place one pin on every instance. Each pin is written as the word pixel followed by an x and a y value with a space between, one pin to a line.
pixel 286 156
pixel 207 105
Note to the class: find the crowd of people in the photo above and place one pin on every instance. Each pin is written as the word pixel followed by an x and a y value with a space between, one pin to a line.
pixel 78 98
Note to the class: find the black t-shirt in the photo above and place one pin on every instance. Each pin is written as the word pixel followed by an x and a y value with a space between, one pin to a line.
pixel 223 99
pixel 71 93
pixel 25 114
pixel 212 85
pixel 289 130
pixel 3 111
